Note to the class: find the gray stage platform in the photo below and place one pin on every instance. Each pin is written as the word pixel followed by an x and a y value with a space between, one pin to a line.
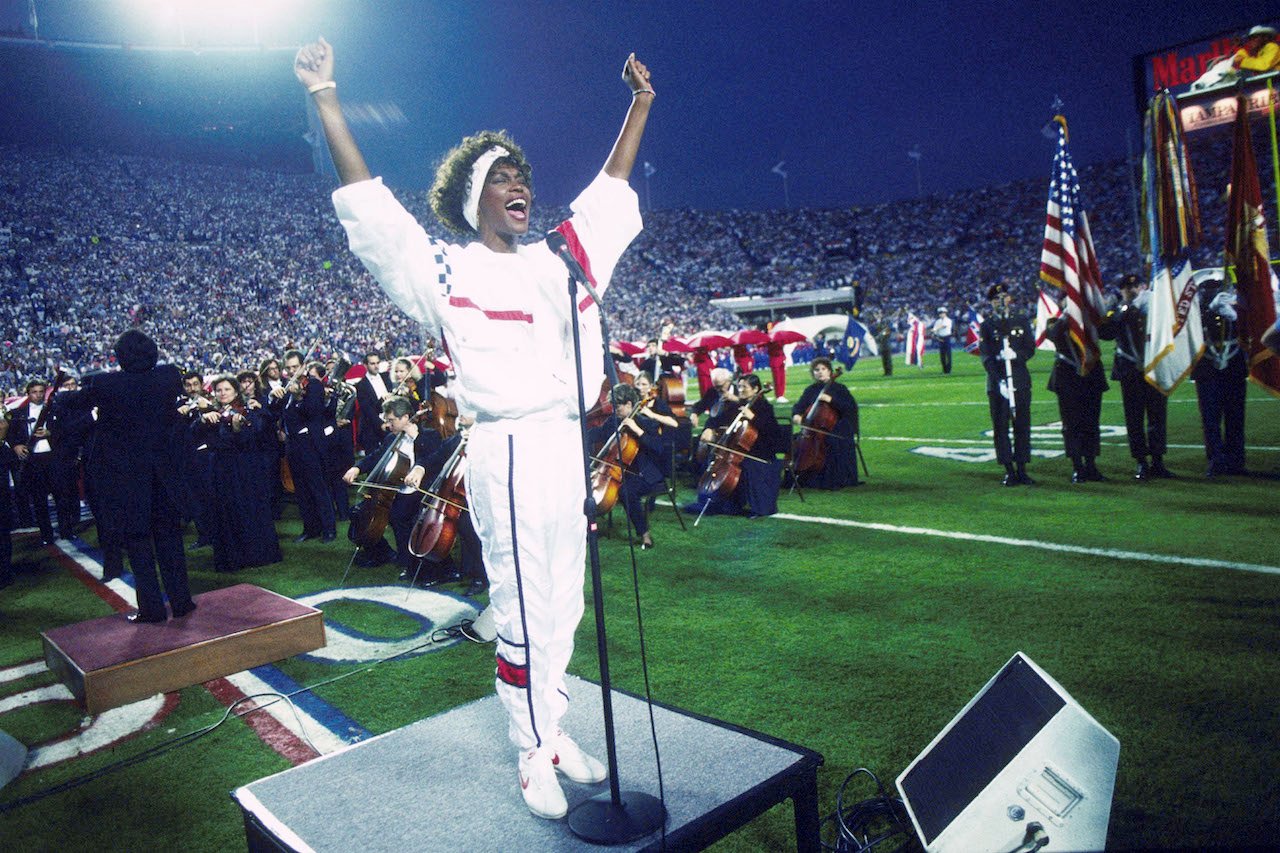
pixel 449 783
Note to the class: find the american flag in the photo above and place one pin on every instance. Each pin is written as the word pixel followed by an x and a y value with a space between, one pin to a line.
pixel 973 332
pixel 915 340
pixel 1067 259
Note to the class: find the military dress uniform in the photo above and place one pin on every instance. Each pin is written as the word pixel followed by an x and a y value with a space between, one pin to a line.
pixel 1016 329
pixel 1220 376
pixel 1146 410
pixel 1079 404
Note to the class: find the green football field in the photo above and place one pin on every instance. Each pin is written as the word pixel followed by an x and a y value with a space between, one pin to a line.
pixel 855 623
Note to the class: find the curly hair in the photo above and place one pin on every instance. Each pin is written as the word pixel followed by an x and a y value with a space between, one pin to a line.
pixel 449 192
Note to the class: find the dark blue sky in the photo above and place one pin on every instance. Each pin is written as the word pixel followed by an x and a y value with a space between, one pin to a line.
pixel 839 90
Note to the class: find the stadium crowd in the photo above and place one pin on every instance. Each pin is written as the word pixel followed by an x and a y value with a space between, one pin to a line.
pixel 225 266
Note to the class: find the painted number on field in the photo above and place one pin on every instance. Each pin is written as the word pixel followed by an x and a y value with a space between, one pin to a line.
pixel 429 608
pixel 1050 433
pixel 93 733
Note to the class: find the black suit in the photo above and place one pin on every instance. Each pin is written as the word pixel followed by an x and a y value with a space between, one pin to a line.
pixel 370 409
pixel 134 462
pixel 35 478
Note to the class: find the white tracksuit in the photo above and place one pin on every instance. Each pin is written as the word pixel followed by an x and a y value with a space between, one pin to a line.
pixel 504 319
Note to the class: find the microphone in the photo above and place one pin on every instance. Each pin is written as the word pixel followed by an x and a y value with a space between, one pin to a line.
pixel 557 244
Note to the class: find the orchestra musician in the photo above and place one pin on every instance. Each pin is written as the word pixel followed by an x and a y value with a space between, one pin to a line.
pixel 371 389
pixel 840 466
pixel 68 432
pixel 197 461
pixel 300 408
pixel 644 476
pixel 8 461
pixel 397 414
pixel 756 494
pixel 497 302
pixel 29 439
pixel 470 565
pixel 266 440
pixel 242 530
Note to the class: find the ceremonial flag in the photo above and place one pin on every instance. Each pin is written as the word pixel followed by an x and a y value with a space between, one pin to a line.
pixel 1247 251
pixel 1171 229
pixel 915 340
pixel 1046 312
pixel 1067 259
pixel 973 332
pixel 857 339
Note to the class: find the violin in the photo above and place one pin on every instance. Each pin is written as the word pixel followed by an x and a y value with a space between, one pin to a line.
pixel 810 452
pixel 436 527
pixel 370 517
pixel 611 463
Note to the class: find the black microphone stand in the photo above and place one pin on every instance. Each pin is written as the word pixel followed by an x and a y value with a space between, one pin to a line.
pixel 621 816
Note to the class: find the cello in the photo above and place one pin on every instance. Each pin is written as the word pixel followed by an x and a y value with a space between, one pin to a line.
pixel 810 452
pixel 725 469
pixel 370 517
pixel 610 464
pixel 436 527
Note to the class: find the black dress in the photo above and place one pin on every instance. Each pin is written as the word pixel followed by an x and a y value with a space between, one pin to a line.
pixel 242 528
pixel 841 466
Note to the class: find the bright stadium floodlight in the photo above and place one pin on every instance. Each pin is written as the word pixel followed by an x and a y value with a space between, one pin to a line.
pixel 212 24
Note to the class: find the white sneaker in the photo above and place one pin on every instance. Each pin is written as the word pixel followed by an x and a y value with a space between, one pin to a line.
pixel 539 786
pixel 569 759
pixel 783 400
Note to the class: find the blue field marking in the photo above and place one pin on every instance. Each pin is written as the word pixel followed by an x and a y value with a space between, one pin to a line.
pixel 321 711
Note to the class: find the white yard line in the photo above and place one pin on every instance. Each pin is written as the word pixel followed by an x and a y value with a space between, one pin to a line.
pixel 1109 553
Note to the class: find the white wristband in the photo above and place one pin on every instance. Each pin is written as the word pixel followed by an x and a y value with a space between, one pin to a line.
pixel 320 87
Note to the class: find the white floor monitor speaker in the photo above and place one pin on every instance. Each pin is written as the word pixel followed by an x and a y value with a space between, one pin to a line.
pixel 13 755
pixel 1021 752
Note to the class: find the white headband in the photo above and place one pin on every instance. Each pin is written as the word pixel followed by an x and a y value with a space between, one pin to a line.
pixel 475 184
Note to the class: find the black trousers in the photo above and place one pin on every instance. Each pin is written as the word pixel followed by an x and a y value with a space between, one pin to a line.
pixel 1221 395
pixel 1020 450
pixel 310 490
pixel 1081 411
pixel 34 490
pixel 1146 414
pixel 163 546
pixel 66 494
pixel 944 354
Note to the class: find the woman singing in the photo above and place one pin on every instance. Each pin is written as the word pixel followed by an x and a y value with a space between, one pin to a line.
pixel 497 302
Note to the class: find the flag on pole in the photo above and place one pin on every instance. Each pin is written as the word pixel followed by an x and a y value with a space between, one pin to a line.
pixel 1171 230
pixel 856 341
pixel 973 332
pixel 1247 251
pixel 1067 259
pixel 915 340
pixel 1046 312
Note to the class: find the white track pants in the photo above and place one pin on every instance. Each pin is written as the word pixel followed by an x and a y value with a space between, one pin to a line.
pixel 525 489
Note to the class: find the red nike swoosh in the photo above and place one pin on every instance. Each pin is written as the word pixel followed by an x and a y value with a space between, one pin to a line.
pixel 524 781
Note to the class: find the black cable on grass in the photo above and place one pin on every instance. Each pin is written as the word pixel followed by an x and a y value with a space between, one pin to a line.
pixel 440 635
pixel 880 820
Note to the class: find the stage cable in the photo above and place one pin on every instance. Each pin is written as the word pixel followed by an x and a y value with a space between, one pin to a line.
pixel 868 824
pixel 439 635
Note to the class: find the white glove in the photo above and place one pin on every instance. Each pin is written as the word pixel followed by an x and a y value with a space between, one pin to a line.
pixel 1225 304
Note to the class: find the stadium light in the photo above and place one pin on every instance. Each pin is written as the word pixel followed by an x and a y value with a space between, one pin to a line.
pixel 226 22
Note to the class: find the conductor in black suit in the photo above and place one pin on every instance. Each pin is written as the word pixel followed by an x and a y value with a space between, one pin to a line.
pixel 134 464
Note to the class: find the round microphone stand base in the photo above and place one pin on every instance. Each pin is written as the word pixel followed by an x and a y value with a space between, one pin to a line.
pixel 602 821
